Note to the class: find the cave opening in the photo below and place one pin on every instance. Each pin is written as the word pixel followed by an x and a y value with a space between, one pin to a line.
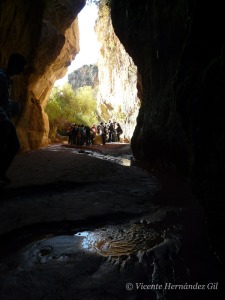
pixel 180 125
pixel 102 72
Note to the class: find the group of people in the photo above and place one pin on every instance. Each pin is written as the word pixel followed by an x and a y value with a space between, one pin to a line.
pixel 110 132
pixel 80 135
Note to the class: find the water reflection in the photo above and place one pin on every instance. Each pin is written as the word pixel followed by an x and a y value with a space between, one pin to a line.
pixel 121 160
pixel 85 235
pixel 125 162
pixel 119 241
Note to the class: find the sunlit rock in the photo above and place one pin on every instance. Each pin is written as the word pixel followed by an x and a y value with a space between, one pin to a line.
pixel 49 43
pixel 117 94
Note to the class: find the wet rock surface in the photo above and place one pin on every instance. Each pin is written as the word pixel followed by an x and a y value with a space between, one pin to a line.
pixel 76 225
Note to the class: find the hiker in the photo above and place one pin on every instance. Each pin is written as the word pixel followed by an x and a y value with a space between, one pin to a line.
pixel 74 134
pixel 114 133
pixel 9 142
pixel 88 135
pixel 93 135
pixel 110 126
pixel 119 131
pixel 103 133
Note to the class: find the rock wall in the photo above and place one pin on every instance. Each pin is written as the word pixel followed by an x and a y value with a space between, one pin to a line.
pixel 46 33
pixel 117 92
pixel 178 48
pixel 87 75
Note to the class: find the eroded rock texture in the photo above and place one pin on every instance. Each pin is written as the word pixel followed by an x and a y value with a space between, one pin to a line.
pixel 86 75
pixel 117 90
pixel 178 48
pixel 46 33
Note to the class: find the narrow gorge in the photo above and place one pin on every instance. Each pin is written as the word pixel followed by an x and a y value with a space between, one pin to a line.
pixel 167 60
pixel 117 96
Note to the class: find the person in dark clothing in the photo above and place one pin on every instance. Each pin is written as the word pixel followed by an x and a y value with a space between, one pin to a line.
pixel 99 129
pixel 93 135
pixel 78 135
pixel 119 131
pixel 74 134
pixel 9 142
pixel 88 135
pixel 114 133
pixel 110 131
pixel 103 133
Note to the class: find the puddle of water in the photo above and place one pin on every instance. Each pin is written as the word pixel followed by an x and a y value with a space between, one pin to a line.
pixel 114 241
pixel 85 235
pixel 124 161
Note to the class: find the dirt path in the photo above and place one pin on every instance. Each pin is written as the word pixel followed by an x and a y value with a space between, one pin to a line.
pixel 58 183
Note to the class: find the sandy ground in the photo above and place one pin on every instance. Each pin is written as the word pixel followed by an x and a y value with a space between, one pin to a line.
pixel 76 224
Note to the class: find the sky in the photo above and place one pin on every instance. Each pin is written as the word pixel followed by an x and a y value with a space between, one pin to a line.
pixel 88 41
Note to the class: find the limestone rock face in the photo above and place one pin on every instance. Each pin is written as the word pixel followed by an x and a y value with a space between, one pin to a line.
pixel 87 75
pixel 117 92
pixel 46 33
pixel 178 48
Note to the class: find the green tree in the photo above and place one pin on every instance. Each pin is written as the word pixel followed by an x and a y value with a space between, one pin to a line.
pixel 85 103
pixel 66 106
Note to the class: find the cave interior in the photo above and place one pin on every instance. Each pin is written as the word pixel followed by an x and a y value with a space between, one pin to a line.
pixel 178 48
